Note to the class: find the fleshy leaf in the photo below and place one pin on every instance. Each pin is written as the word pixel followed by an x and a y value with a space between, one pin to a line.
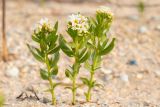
pixel 54 70
pixel 65 47
pixel 43 45
pixel 44 74
pixel 87 65
pixel 35 38
pixel 69 74
pixel 52 51
pixel 84 55
pixel 38 57
pixel 107 49
pixel 54 59
pixel 85 81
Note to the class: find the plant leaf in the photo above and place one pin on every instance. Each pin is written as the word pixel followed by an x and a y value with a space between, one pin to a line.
pixel 52 51
pixel 85 81
pixel 43 45
pixel 65 47
pixel 109 48
pixel 35 38
pixel 69 74
pixel 87 65
pixel 44 74
pixel 72 33
pixel 68 88
pixel 39 52
pixel 36 56
pixel 54 59
pixel 99 85
pixel 56 27
pixel 54 70
pixel 84 55
pixel 52 37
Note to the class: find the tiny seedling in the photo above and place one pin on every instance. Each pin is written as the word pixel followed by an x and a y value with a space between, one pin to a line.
pixel 42 2
pixel 78 30
pixel 99 45
pixel 46 52
pixel 141 7
pixel 2 99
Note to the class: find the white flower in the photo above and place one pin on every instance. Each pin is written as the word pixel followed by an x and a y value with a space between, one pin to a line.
pixel 104 9
pixel 43 23
pixel 78 22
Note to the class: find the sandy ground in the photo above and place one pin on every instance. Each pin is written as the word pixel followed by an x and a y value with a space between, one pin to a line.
pixel 130 74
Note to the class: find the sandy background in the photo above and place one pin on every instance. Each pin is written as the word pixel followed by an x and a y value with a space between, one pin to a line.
pixel 130 74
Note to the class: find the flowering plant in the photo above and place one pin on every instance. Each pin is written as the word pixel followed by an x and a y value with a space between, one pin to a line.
pixel 88 45
pixel 98 44
pixel 47 51
pixel 77 30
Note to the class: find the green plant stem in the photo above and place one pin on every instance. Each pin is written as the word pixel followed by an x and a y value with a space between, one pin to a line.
pixel 74 91
pixel 50 81
pixel 74 88
pixel 88 96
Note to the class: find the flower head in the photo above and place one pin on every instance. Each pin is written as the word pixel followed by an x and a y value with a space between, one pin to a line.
pixel 104 10
pixel 78 22
pixel 45 24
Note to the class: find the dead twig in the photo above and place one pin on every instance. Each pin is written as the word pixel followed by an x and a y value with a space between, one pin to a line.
pixel 26 95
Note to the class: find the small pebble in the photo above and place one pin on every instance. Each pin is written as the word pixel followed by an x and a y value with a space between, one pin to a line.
pixel 156 18
pixel 146 104
pixel 143 29
pixel 139 76
pixel 133 17
pixel 158 27
pixel 107 77
pixel 106 71
pixel 132 62
pixel 45 100
pixel 124 77
pixel 157 72
pixel 12 72
pixel 104 105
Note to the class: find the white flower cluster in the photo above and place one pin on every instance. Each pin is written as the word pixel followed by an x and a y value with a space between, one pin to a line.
pixel 43 23
pixel 105 10
pixel 78 22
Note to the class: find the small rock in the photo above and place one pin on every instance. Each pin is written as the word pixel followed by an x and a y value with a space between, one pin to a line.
pixel 12 72
pixel 143 29
pixel 104 105
pixel 133 17
pixel 139 76
pixel 45 100
pixel 132 62
pixel 157 72
pixel 133 104
pixel 156 18
pixel 124 77
pixel 106 71
pixel 158 27
pixel 107 77
pixel 146 104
